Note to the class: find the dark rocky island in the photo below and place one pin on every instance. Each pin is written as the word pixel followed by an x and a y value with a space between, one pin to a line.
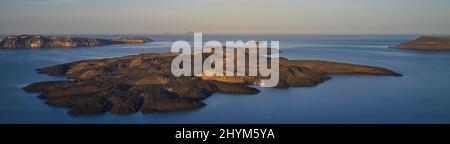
pixel 426 43
pixel 39 41
pixel 144 83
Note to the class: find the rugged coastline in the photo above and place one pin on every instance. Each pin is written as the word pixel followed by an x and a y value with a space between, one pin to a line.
pixel 426 43
pixel 39 41
pixel 144 83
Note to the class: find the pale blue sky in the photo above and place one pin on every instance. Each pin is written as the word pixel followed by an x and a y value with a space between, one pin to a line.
pixel 225 16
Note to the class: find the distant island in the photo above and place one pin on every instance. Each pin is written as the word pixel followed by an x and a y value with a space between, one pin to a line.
pixel 144 83
pixel 39 41
pixel 426 43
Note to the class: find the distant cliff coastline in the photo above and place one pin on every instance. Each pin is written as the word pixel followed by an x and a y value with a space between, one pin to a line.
pixel 426 43
pixel 39 41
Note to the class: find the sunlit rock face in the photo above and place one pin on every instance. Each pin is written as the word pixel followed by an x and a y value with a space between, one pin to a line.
pixel 38 41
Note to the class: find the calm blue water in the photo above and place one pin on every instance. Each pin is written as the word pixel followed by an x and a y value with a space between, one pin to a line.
pixel 422 95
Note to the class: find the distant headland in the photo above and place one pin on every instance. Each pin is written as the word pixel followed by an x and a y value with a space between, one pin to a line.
pixel 426 43
pixel 40 41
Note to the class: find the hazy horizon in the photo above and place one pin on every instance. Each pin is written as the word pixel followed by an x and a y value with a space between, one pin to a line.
pixel 224 17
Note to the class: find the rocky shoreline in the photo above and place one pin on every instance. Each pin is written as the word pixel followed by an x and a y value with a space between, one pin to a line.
pixel 39 41
pixel 426 43
pixel 144 83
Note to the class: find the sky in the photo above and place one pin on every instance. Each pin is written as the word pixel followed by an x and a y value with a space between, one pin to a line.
pixel 225 16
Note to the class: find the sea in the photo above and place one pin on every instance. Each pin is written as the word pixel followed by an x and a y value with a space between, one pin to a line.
pixel 420 96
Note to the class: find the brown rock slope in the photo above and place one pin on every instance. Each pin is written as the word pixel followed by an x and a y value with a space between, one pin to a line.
pixel 426 43
pixel 144 83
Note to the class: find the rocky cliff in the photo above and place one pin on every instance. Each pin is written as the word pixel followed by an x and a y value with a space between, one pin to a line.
pixel 426 43
pixel 38 41
pixel 144 83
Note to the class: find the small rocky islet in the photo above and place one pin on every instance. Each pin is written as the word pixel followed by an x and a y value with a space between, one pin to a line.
pixel 144 83
pixel 431 43
pixel 40 41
